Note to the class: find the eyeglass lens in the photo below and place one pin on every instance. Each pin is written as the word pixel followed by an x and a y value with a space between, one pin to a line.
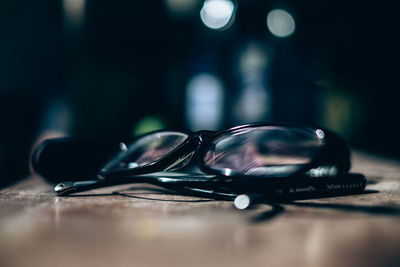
pixel 147 149
pixel 267 150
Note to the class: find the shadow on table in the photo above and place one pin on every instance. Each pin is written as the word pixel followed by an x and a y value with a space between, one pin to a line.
pixel 377 210
pixel 277 207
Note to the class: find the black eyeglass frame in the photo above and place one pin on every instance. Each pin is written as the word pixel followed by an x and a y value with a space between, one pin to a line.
pixel 334 153
pixel 216 184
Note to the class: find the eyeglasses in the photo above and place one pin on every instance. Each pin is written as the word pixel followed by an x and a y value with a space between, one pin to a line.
pixel 253 161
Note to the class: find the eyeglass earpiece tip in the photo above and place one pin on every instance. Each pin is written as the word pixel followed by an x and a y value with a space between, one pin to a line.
pixel 63 188
pixel 242 202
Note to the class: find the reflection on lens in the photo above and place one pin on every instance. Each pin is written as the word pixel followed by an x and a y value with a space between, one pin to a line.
pixel 146 150
pixel 263 151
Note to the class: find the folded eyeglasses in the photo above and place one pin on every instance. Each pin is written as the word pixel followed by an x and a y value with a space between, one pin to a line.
pixel 247 164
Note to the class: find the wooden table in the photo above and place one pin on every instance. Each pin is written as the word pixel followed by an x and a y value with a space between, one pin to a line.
pixel 141 226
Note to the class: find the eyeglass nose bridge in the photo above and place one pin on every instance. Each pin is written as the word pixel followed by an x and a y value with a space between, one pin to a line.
pixel 184 153
pixel 203 135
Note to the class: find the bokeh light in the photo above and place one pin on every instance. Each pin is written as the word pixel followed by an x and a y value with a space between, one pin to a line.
pixel 74 12
pixel 148 124
pixel 280 23
pixel 204 102
pixel 217 14
pixel 181 7
pixel 254 102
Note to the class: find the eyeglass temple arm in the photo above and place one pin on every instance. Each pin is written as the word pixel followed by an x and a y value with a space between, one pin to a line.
pixel 244 196
pixel 70 187
pixel 172 183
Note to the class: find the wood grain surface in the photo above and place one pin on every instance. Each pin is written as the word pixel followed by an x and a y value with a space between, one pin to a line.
pixel 142 225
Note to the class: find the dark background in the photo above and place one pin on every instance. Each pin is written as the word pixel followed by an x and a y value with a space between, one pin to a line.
pixel 124 67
